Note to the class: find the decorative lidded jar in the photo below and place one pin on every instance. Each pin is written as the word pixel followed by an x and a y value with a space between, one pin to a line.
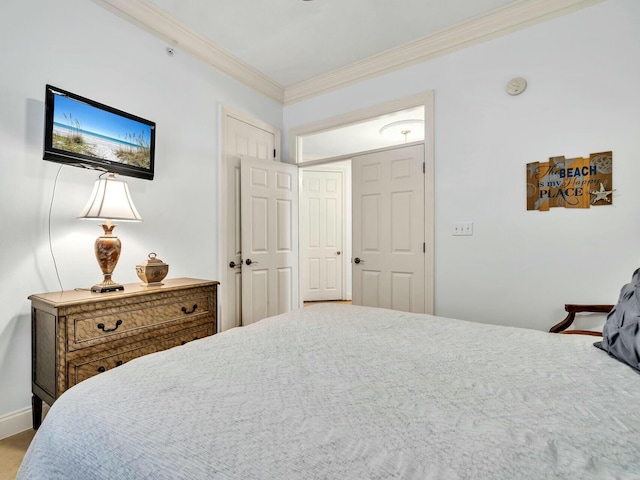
pixel 152 271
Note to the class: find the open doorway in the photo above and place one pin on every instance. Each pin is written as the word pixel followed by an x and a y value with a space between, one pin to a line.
pixel 318 146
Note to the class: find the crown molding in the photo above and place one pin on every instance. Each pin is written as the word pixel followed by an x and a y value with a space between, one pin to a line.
pixel 147 16
pixel 477 30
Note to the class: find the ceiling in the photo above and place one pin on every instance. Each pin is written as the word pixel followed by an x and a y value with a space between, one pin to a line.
pixel 293 49
pixel 393 128
pixel 294 40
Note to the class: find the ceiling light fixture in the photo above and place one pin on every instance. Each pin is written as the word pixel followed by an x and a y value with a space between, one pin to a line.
pixel 412 129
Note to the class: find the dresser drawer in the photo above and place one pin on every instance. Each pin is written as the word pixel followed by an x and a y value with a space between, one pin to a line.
pixel 87 329
pixel 87 367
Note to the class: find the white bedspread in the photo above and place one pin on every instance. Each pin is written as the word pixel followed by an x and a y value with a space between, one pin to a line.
pixel 342 392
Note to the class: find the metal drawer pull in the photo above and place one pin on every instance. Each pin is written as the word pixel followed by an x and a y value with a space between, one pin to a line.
pixel 102 368
pixel 101 326
pixel 184 309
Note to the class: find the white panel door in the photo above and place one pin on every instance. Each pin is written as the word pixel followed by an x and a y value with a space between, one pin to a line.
pixel 269 211
pixel 241 138
pixel 388 229
pixel 321 225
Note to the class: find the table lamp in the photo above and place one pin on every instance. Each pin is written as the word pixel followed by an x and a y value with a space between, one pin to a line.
pixel 110 200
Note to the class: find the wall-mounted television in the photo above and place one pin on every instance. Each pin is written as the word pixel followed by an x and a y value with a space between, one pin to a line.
pixel 85 133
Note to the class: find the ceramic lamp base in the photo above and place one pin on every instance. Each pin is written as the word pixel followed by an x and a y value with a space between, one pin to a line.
pixel 107 249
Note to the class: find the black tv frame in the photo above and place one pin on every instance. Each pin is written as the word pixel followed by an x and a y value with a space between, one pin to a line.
pixel 84 160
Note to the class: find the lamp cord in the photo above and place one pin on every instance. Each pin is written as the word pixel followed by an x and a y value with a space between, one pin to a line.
pixel 53 195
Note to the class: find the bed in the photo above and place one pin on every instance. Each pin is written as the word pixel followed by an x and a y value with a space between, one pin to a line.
pixel 346 392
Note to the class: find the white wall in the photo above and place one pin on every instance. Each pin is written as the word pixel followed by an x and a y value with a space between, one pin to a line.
pixel 520 267
pixel 78 46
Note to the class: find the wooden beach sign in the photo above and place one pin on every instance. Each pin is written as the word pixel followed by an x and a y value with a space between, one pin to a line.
pixel 570 182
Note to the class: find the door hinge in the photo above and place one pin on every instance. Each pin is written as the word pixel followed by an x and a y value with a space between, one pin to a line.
pixel 274 153
pixel 424 167
pixel 424 247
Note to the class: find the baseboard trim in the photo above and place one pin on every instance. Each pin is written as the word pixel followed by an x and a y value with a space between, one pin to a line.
pixel 17 422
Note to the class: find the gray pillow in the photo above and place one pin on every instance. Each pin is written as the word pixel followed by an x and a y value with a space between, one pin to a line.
pixel 621 332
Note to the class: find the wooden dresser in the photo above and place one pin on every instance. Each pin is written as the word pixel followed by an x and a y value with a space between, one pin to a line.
pixel 78 334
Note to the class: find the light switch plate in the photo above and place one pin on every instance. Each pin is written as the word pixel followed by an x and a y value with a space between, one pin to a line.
pixel 462 228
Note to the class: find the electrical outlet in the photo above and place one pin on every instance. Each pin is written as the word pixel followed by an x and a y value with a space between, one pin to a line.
pixel 462 228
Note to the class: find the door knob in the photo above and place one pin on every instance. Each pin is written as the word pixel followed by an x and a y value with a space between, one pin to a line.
pixel 248 261
pixel 338 252
pixel 357 260
pixel 233 264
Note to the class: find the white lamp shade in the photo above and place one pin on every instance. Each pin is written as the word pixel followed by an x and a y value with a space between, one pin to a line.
pixel 111 200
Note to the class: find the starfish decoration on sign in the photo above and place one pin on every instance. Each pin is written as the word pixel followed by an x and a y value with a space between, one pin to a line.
pixel 602 194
